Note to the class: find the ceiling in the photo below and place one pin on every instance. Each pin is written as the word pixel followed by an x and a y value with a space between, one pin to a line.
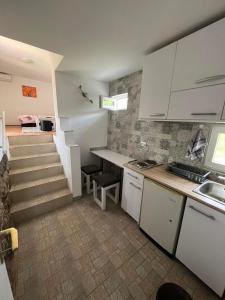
pixel 14 54
pixel 104 39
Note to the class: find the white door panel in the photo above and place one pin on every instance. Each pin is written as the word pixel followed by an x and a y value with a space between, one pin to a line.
pixel 202 242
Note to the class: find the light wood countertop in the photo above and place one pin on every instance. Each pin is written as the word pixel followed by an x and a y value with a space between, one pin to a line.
pixel 183 186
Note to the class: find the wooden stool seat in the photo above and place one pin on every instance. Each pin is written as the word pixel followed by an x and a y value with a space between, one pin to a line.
pixel 87 172
pixel 106 182
pixel 91 169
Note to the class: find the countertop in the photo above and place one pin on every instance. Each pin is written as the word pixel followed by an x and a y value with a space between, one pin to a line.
pixel 183 186
pixel 114 157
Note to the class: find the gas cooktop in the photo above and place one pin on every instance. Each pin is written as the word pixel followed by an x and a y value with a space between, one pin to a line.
pixel 143 164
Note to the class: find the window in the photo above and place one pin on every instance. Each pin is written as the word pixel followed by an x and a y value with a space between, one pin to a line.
pixel 215 156
pixel 117 102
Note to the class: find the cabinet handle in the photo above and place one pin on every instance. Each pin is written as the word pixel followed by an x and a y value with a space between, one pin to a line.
pixel 157 115
pixel 137 187
pixel 204 114
pixel 202 213
pixel 210 78
pixel 132 175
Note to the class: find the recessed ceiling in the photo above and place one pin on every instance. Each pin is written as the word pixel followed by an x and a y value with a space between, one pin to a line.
pixel 27 61
pixel 101 38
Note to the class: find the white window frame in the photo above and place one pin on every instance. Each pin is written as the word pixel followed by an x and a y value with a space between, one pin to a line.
pixel 115 99
pixel 211 148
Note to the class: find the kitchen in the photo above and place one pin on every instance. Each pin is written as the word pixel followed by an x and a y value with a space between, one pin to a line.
pixel 141 115
pixel 175 212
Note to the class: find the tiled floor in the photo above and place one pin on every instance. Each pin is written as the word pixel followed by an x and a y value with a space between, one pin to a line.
pixel 80 252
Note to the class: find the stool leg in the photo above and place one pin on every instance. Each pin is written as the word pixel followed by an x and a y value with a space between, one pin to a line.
pixel 95 189
pixel 103 196
pixel 88 184
pixel 117 193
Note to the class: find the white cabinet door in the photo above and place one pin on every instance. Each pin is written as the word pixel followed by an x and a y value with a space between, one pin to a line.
pixel 160 214
pixel 223 115
pixel 197 104
pixel 132 194
pixel 201 244
pixel 156 83
pixel 200 58
pixel 5 287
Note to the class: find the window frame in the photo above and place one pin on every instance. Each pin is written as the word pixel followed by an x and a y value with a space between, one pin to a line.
pixel 115 100
pixel 211 149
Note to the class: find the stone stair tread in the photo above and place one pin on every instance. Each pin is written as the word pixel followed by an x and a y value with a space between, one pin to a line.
pixel 32 156
pixel 30 145
pixel 29 184
pixel 34 168
pixel 22 205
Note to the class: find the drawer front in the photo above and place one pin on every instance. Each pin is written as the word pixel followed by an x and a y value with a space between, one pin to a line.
pixel 134 176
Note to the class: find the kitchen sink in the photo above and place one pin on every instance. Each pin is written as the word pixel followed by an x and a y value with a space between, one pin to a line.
pixel 212 190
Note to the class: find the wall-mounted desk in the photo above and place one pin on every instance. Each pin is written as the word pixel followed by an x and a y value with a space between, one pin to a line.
pixel 113 157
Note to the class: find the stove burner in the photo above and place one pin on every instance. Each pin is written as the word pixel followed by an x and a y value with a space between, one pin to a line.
pixel 145 164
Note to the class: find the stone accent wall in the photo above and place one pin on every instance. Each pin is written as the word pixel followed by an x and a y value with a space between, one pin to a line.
pixel 162 141
pixel 4 201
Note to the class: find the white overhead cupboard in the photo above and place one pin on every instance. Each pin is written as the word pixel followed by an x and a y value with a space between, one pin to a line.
pixel 156 83
pixel 201 244
pixel 200 58
pixel 202 104
pixel 186 80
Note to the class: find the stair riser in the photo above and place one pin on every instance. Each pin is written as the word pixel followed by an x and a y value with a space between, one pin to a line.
pixel 34 191
pixel 43 208
pixel 30 139
pixel 32 150
pixel 34 175
pixel 33 161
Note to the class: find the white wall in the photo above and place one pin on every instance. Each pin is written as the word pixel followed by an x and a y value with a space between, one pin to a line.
pixel 14 104
pixel 87 120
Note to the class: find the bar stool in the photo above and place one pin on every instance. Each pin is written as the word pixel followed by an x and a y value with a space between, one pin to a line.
pixel 87 172
pixel 106 182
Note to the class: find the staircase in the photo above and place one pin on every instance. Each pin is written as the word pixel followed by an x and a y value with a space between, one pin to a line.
pixel 38 184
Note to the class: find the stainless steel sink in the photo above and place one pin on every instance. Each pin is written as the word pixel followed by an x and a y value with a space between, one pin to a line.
pixel 212 190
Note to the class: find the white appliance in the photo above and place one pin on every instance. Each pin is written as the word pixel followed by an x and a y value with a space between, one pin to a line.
pixel 161 214
pixel 202 242
pixel 132 193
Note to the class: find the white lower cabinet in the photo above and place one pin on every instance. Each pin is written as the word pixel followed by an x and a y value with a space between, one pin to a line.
pixel 132 193
pixel 201 245
pixel 161 213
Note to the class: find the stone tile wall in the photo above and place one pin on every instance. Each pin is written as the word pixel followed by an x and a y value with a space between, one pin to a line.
pixel 162 141
pixel 4 201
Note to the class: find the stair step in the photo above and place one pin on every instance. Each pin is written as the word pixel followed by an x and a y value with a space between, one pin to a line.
pixel 30 139
pixel 31 189
pixel 31 149
pixel 20 162
pixel 35 172
pixel 25 210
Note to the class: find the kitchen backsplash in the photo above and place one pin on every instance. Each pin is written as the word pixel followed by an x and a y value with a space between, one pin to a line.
pixel 162 141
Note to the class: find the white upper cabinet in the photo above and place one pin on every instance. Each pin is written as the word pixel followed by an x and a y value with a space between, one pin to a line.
pixel 156 83
pixel 200 58
pixel 197 104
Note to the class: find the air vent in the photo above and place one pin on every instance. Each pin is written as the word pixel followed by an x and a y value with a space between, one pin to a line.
pixel 5 77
